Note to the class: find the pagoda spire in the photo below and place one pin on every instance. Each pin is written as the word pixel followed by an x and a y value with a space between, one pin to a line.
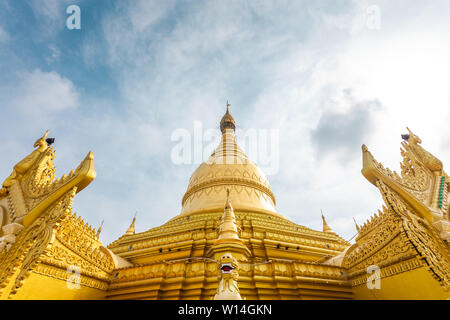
pixel 326 227
pixel 131 228
pixel 228 240
pixel 228 228
pixel 100 228
pixel 358 228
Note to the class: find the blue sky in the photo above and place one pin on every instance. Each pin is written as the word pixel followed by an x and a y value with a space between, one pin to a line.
pixel 317 71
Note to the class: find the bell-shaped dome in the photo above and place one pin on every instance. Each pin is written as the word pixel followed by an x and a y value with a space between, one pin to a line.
pixel 228 168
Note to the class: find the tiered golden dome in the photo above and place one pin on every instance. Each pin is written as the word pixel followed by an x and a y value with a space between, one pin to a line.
pixel 228 168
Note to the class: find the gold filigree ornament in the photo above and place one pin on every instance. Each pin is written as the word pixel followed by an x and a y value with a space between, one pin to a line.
pixel 25 164
pixel 431 251
pixel 424 237
pixel 32 243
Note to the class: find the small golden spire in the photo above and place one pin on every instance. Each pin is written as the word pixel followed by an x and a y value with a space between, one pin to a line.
pixel 228 228
pixel 131 228
pixel 100 228
pixel 357 226
pixel 326 227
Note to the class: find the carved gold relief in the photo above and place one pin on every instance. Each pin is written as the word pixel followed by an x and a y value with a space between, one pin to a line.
pixel 398 235
pixel 32 243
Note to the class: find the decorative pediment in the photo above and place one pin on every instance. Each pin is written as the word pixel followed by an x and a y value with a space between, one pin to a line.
pixel 422 182
pixel 32 187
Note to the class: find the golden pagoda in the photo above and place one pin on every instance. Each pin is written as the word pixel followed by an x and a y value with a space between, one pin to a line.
pixel 228 241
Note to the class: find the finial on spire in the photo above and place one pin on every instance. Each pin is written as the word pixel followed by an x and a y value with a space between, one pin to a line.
pixel 228 228
pixel 227 121
pixel 100 228
pixel 356 224
pixel 325 226
pixel 131 228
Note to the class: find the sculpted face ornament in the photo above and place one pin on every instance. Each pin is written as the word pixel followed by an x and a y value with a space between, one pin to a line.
pixel 226 268
pixel 228 288
pixel 228 264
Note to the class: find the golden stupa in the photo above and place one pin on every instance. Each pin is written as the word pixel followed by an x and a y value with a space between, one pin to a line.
pixel 229 241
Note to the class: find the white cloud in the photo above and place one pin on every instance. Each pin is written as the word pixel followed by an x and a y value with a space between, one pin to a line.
pixel 55 53
pixel 342 133
pixel 50 10
pixel 145 14
pixel 50 17
pixel 42 92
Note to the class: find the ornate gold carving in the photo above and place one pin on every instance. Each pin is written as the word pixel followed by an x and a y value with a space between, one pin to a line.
pixel 414 176
pixel 40 180
pixel 32 243
pixel 253 225
pixel 228 276
pixel 416 167
pixel 62 257
pixel 425 157
pixel 228 182
pixel 421 183
pixel 401 238
pixel 388 268
pixel 32 187
pixel 25 164
pixel 423 236
pixel 62 274
pixel 430 249
pixel 81 238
